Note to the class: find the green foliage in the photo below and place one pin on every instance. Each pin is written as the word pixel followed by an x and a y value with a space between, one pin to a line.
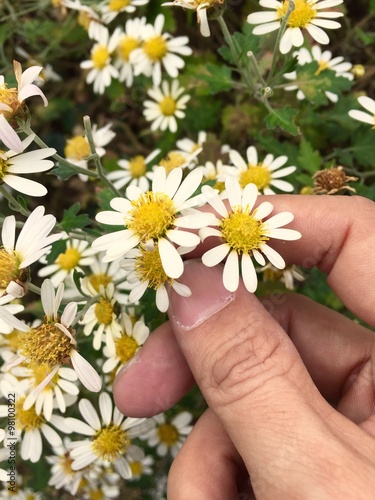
pixel 283 118
pixel 73 220
pixel 309 159
pixel 218 78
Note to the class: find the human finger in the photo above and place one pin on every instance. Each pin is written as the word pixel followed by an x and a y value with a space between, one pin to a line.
pixel 208 465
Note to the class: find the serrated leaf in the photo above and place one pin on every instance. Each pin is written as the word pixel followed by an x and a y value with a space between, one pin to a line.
pixel 77 277
pixel 314 83
pixel 218 78
pixel 57 248
pixel 72 220
pixel 308 157
pixel 283 118
pixel 363 148
pixel 63 172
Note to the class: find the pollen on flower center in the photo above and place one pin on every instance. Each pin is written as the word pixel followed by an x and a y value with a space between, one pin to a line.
pixel 167 434
pixel 69 259
pixel 126 347
pixel 99 279
pixel 77 148
pixel 302 14
pixel 168 106
pixel 136 468
pixel 243 232
pixel 104 311
pixel 9 267
pixel 151 216
pixel 126 45
pixel 110 443
pixel 3 165
pixel 100 56
pixel 46 345
pixel 258 175
pixel 27 420
pixel 137 166
pixel 116 5
pixel 148 267
pixel 9 97
pixel 40 373
pixel 155 48
pixel 173 160
pixel 322 66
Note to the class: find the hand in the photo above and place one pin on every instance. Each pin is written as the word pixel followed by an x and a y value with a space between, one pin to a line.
pixel 294 410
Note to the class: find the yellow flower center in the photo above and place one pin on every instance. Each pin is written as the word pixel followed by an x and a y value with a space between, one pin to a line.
pixel 40 373
pixel 4 165
pixel 242 231
pixel 99 279
pixel 168 434
pixel 173 160
pixel 69 259
pixel 9 267
pixel 110 443
pixel 84 19
pixel 96 495
pixel 302 14
pixel 27 420
pixel 137 166
pixel 104 311
pixel 77 148
pixel 272 274
pixel 155 48
pixel 207 3
pixel 322 66
pixel 126 347
pixel 46 345
pixel 136 468
pixel 148 267
pixel 100 56
pixel 151 216
pixel 258 175
pixel 10 98
pixel 126 45
pixel 12 340
pixel 168 106
pixel 117 5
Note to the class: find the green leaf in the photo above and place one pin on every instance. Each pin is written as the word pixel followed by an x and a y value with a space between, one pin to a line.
pixel 308 157
pixel 57 248
pixel 72 220
pixel 218 78
pixel 315 84
pixel 283 118
pixel 63 172
pixel 244 43
pixel 77 277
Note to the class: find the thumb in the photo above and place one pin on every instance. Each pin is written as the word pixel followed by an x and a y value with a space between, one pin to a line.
pixel 252 378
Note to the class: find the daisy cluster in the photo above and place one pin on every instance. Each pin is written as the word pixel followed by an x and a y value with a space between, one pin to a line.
pixel 81 293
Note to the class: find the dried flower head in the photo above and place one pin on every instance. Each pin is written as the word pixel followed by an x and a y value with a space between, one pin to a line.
pixel 332 180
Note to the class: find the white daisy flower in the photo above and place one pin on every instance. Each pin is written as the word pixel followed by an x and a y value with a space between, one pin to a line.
pixel 78 253
pixel 62 390
pixel 103 273
pixel 62 475
pixel 215 173
pixel 154 216
pixel 146 271
pixel 170 436
pixel 179 159
pixel 109 439
pixel 102 318
pixel 141 467
pixel 110 9
pixel 201 7
pixel 129 41
pixel 189 146
pixel 325 60
pixel 290 275
pixel 264 174
pixel 77 148
pixel 100 65
pixel 168 104
pixel 243 234
pixel 8 322
pixel 16 256
pixel 307 14
pixel 12 164
pixel 159 50
pixel 369 105
pixel 133 336
pixel 53 343
pixel 136 171
pixel 30 428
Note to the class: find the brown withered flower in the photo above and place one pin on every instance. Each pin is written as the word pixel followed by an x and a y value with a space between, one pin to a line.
pixel 332 180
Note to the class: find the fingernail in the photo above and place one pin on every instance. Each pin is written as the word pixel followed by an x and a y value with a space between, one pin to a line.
pixel 134 360
pixel 208 295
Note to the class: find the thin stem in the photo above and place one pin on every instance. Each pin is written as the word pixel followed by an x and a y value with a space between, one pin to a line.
pixel 280 33
pixel 95 157
pixel 85 308
pixel 34 288
pixel 13 203
pixel 255 65
pixel 234 51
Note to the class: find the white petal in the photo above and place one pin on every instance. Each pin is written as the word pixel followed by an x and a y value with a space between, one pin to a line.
pixel 162 299
pixel 274 257
pixel 231 273
pixel 170 259
pixel 215 255
pixel 105 406
pixel 86 373
pixel 249 275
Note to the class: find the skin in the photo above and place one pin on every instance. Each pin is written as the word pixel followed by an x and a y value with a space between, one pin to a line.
pixel 289 384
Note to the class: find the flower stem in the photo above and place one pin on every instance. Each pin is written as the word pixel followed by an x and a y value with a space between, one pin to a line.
pixel 13 203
